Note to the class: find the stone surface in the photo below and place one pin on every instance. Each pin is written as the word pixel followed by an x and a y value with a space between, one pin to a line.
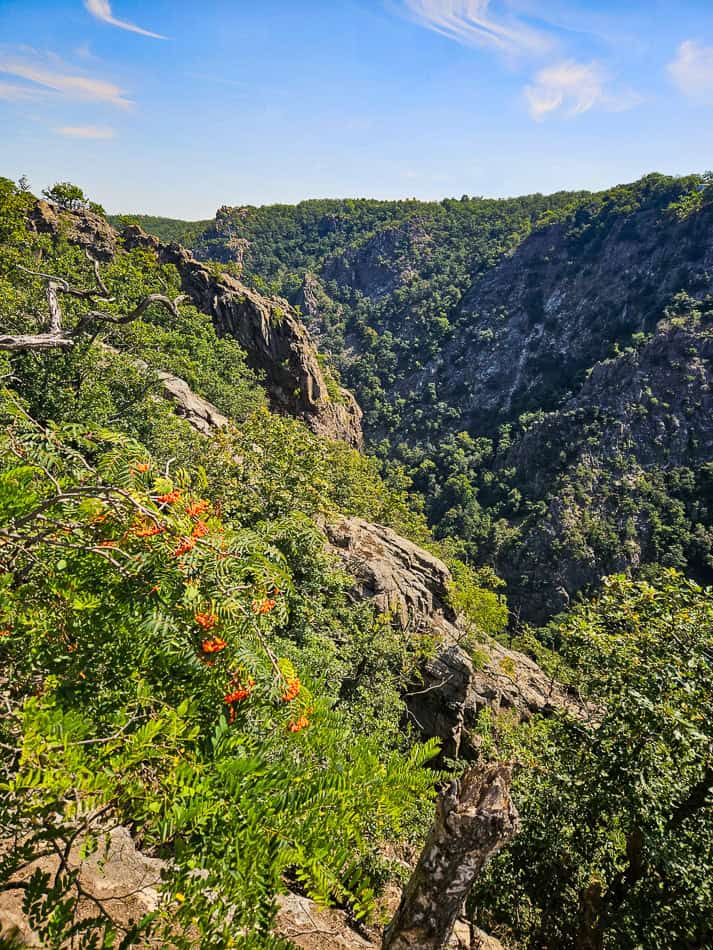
pixel 276 343
pixel 412 585
pixel 200 413
pixel 315 928
pixel 123 879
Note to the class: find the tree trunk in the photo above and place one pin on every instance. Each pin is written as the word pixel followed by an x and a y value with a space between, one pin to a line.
pixel 474 819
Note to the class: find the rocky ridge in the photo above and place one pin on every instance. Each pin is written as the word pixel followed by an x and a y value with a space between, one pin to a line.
pixel 276 343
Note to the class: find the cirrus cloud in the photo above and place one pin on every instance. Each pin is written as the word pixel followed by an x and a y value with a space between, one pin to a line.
pixel 572 88
pixel 472 23
pixel 101 9
pixel 71 85
pixel 85 132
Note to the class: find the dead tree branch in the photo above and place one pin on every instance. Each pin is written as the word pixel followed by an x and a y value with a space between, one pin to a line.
pixel 58 338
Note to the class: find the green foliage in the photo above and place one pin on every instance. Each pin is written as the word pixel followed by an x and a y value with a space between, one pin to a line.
pixel 615 849
pixel 146 625
pixel 71 198
pixel 176 648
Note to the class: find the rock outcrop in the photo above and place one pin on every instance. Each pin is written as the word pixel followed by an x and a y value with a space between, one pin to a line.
pixel 382 263
pixel 276 343
pixel 120 878
pixel 311 927
pixel 412 585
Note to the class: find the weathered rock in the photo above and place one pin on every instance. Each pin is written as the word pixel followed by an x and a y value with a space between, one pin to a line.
pixel 412 584
pixel 119 876
pixel 84 228
pixel 311 927
pixel 382 263
pixel 397 574
pixel 275 342
pixel 200 413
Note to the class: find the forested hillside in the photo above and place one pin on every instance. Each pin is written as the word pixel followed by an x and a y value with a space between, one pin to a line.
pixel 529 361
pixel 231 648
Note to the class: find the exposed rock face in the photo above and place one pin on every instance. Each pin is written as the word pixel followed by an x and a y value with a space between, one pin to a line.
pixel 276 343
pixel 382 263
pixel 81 227
pixel 311 297
pixel 412 584
pixel 123 879
pixel 555 306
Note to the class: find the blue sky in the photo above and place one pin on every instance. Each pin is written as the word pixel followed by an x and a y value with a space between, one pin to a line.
pixel 175 107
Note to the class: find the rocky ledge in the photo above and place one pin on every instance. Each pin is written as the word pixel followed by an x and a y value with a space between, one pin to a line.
pixel 412 585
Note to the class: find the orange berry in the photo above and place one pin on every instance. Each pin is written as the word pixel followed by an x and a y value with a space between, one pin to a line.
pixel 213 645
pixel 184 547
pixel 293 688
pixel 299 724
pixel 148 531
pixel 207 620
pixel 236 696
pixel 170 497
pixel 197 507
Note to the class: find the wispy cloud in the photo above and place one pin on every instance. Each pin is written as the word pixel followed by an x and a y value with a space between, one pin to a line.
pixel 572 88
pixel 71 85
pixel 11 92
pixel 472 22
pixel 692 70
pixel 85 132
pixel 84 52
pixel 101 9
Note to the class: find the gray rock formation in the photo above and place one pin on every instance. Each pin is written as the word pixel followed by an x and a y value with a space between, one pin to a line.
pixel 412 585
pixel 276 343
pixel 382 263
pixel 124 880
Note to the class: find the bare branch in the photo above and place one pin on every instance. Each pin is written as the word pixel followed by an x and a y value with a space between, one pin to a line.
pixel 97 315
pixel 56 338
pixel 36 341
pixel 97 276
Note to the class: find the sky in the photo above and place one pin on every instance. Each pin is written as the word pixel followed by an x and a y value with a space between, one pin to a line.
pixel 176 107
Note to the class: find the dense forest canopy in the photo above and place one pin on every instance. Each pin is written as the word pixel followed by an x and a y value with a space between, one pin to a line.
pixel 477 335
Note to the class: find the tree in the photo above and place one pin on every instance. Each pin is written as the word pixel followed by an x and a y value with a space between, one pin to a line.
pixel 475 817
pixel 70 197
pixel 59 337
pixel 616 849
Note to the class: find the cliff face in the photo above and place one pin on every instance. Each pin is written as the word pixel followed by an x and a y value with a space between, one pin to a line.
pixel 542 383
pixel 276 343
pixel 621 472
pixel 531 326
